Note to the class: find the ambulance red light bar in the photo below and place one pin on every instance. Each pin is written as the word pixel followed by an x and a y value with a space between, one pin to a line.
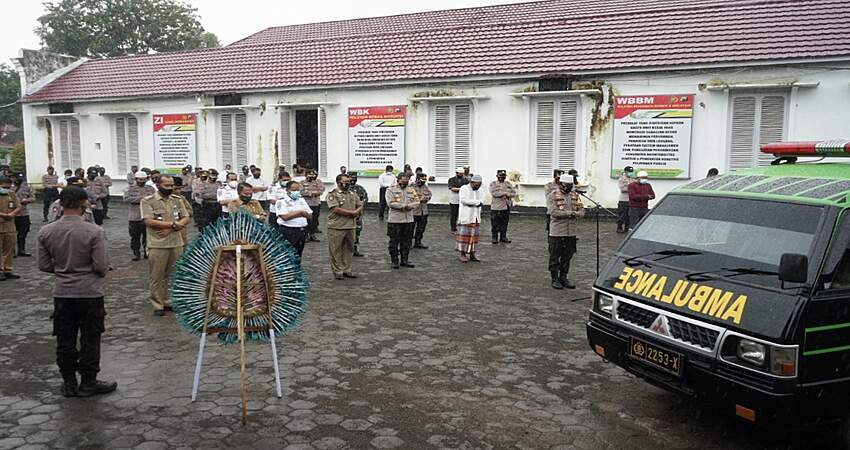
pixel 835 147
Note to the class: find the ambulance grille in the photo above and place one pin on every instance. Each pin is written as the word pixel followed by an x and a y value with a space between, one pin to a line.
pixel 634 315
pixel 691 333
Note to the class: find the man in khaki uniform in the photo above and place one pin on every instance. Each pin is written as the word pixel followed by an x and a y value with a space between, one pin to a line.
pixel 420 212
pixel 564 209
pixel 401 199
pixel 311 190
pixel 164 215
pixel 206 193
pixel 9 207
pixel 50 184
pixel 345 206
pixel 133 196
pixel 503 193
pixel 246 201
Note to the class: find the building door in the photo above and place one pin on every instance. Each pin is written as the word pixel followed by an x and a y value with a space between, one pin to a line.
pixel 307 138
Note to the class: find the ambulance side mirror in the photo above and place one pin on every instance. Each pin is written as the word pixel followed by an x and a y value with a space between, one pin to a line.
pixel 793 268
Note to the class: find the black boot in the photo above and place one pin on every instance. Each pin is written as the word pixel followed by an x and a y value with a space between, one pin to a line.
pixel 406 263
pixel 69 386
pixel 495 239
pixel 137 255
pixel 504 239
pixel 357 252
pixel 556 282
pixel 394 259
pixel 92 386
pixel 419 244
pixel 566 282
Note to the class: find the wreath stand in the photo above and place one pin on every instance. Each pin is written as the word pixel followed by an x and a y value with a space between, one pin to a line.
pixel 238 248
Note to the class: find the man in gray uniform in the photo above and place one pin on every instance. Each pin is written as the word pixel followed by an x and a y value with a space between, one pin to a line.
pixel 564 209
pixel 133 197
pixel 503 194
pixel 401 200
pixel 420 211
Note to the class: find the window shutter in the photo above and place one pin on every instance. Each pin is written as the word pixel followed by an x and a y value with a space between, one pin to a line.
pixel 226 140
pixel 462 134
pixel 771 125
pixel 120 144
pixel 241 144
pixel 285 155
pixel 442 141
pixel 544 147
pixel 742 132
pixel 65 145
pixel 323 142
pixel 567 135
pixel 76 155
pixel 132 142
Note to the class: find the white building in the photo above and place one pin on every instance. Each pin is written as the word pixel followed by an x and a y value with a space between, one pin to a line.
pixel 527 88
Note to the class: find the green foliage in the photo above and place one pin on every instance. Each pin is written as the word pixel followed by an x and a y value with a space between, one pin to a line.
pixel 18 160
pixel 10 91
pixel 100 28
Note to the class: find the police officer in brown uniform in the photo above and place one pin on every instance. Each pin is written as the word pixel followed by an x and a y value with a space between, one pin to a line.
pixel 503 193
pixel 136 227
pixel 164 216
pixel 247 202
pixel 401 199
pixel 345 206
pixel 420 211
pixel 207 194
pixel 9 207
pixel 50 184
pixel 564 209
pixel 105 181
pixel 96 191
pixel 312 189
pixel 22 219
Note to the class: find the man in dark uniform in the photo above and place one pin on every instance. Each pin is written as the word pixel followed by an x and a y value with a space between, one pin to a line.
pixel 76 252
pixel 22 219
pixel 105 181
pixel 133 197
pixel 364 198
pixel 50 184
pixel 207 193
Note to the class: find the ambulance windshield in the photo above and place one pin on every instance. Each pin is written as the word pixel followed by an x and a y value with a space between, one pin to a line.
pixel 730 232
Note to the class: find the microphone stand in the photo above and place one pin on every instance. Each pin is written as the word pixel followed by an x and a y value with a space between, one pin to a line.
pixel 596 209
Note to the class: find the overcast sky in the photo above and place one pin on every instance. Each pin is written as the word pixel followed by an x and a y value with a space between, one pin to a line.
pixel 233 20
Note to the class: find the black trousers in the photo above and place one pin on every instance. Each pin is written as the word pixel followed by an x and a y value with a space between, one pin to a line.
pixel 382 202
pixel 561 251
pixel 636 215
pixel 453 213
pixel 419 225
pixel 623 215
pixel 313 223
pixel 98 216
pixel 499 223
pixel 83 318
pixel 400 236
pixel 105 202
pixel 210 211
pixel 295 236
pixel 49 196
pixel 22 225
pixel 138 237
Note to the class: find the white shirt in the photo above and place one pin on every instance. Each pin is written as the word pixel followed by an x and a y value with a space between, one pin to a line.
pixel 226 193
pixel 258 182
pixel 275 193
pixel 467 213
pixel 286 205
pixel 386 179
pixel 150 183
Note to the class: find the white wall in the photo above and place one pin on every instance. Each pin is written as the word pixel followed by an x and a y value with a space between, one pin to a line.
pixel 501 137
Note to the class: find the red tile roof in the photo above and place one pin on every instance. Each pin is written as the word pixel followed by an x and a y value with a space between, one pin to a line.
pixel 556 36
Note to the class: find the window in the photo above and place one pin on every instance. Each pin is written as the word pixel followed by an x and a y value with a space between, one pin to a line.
pixel 69 144
pixel 234 140
pixel 757 118
pixel 554 139
pixel 451 137
pixel 126 143
pixel 284 155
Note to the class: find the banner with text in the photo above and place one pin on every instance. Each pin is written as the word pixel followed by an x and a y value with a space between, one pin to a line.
pixel 174 141
pixel 653 133
pixel 375 139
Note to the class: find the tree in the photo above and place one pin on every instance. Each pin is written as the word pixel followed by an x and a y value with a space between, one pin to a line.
pixel 100 28
pixel 18 158
pixel 10 91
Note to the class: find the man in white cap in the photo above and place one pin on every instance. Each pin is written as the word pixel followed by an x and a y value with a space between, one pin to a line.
pixel 469 219
pixel 640 193
pixel 455 183
pixel 133 196
pixel 564 209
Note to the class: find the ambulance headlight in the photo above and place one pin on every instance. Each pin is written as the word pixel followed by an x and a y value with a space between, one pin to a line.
pixel 751 352
pixel 603 304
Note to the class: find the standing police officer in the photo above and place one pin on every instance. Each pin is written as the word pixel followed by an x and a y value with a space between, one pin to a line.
pixel 401 199
pixel 50 184
pixel 133 197
pixel 311 190
pixel 344 207
pixel 564 209
pixel 364 198
pixel 420 211
pixel 76 252
pixel 503 193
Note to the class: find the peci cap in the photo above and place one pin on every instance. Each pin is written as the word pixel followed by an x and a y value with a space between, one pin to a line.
pixel 642 174
pixel 459 170
pixel 564 178
pixel 141 174
pixel 477 179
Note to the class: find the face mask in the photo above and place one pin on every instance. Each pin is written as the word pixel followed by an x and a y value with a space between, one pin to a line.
pixel 402 184
pixel 140 183
pixel 165 192
pixel 566 187
pixel 501 179
pixel 344 186
pixel 245 198
pixel 643 181
pixel 256 175
pixel 353 181
pixel 311 178
pixel 295 195
pixel 421 182
pixel 233 184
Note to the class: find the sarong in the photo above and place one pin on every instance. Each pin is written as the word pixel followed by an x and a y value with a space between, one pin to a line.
pixel 467 237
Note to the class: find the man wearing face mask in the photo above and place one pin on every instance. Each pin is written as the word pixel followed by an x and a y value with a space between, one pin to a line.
pixel 133 196
pixel 469 220
pixel 244 175
pixel 96 191
pixel 259 187
pixel 105 181
pixel 276 192
pixel 188 183
pixel 420 211
pixel 402 199
pixel 246 201
pixel 344 207
pixel 312 190
pixel 207 194
pixel 640 193
pixel 623 203
pixel 227 193
pixel 164 216
pixel 131 175
pixel 56 210
pixel 564 210
pixel 502 192
pixel 9 207
pixel 50 183
pixel 293 214
pixel 364 198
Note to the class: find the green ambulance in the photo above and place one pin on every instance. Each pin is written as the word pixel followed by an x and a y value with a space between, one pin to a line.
pixel 735 289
